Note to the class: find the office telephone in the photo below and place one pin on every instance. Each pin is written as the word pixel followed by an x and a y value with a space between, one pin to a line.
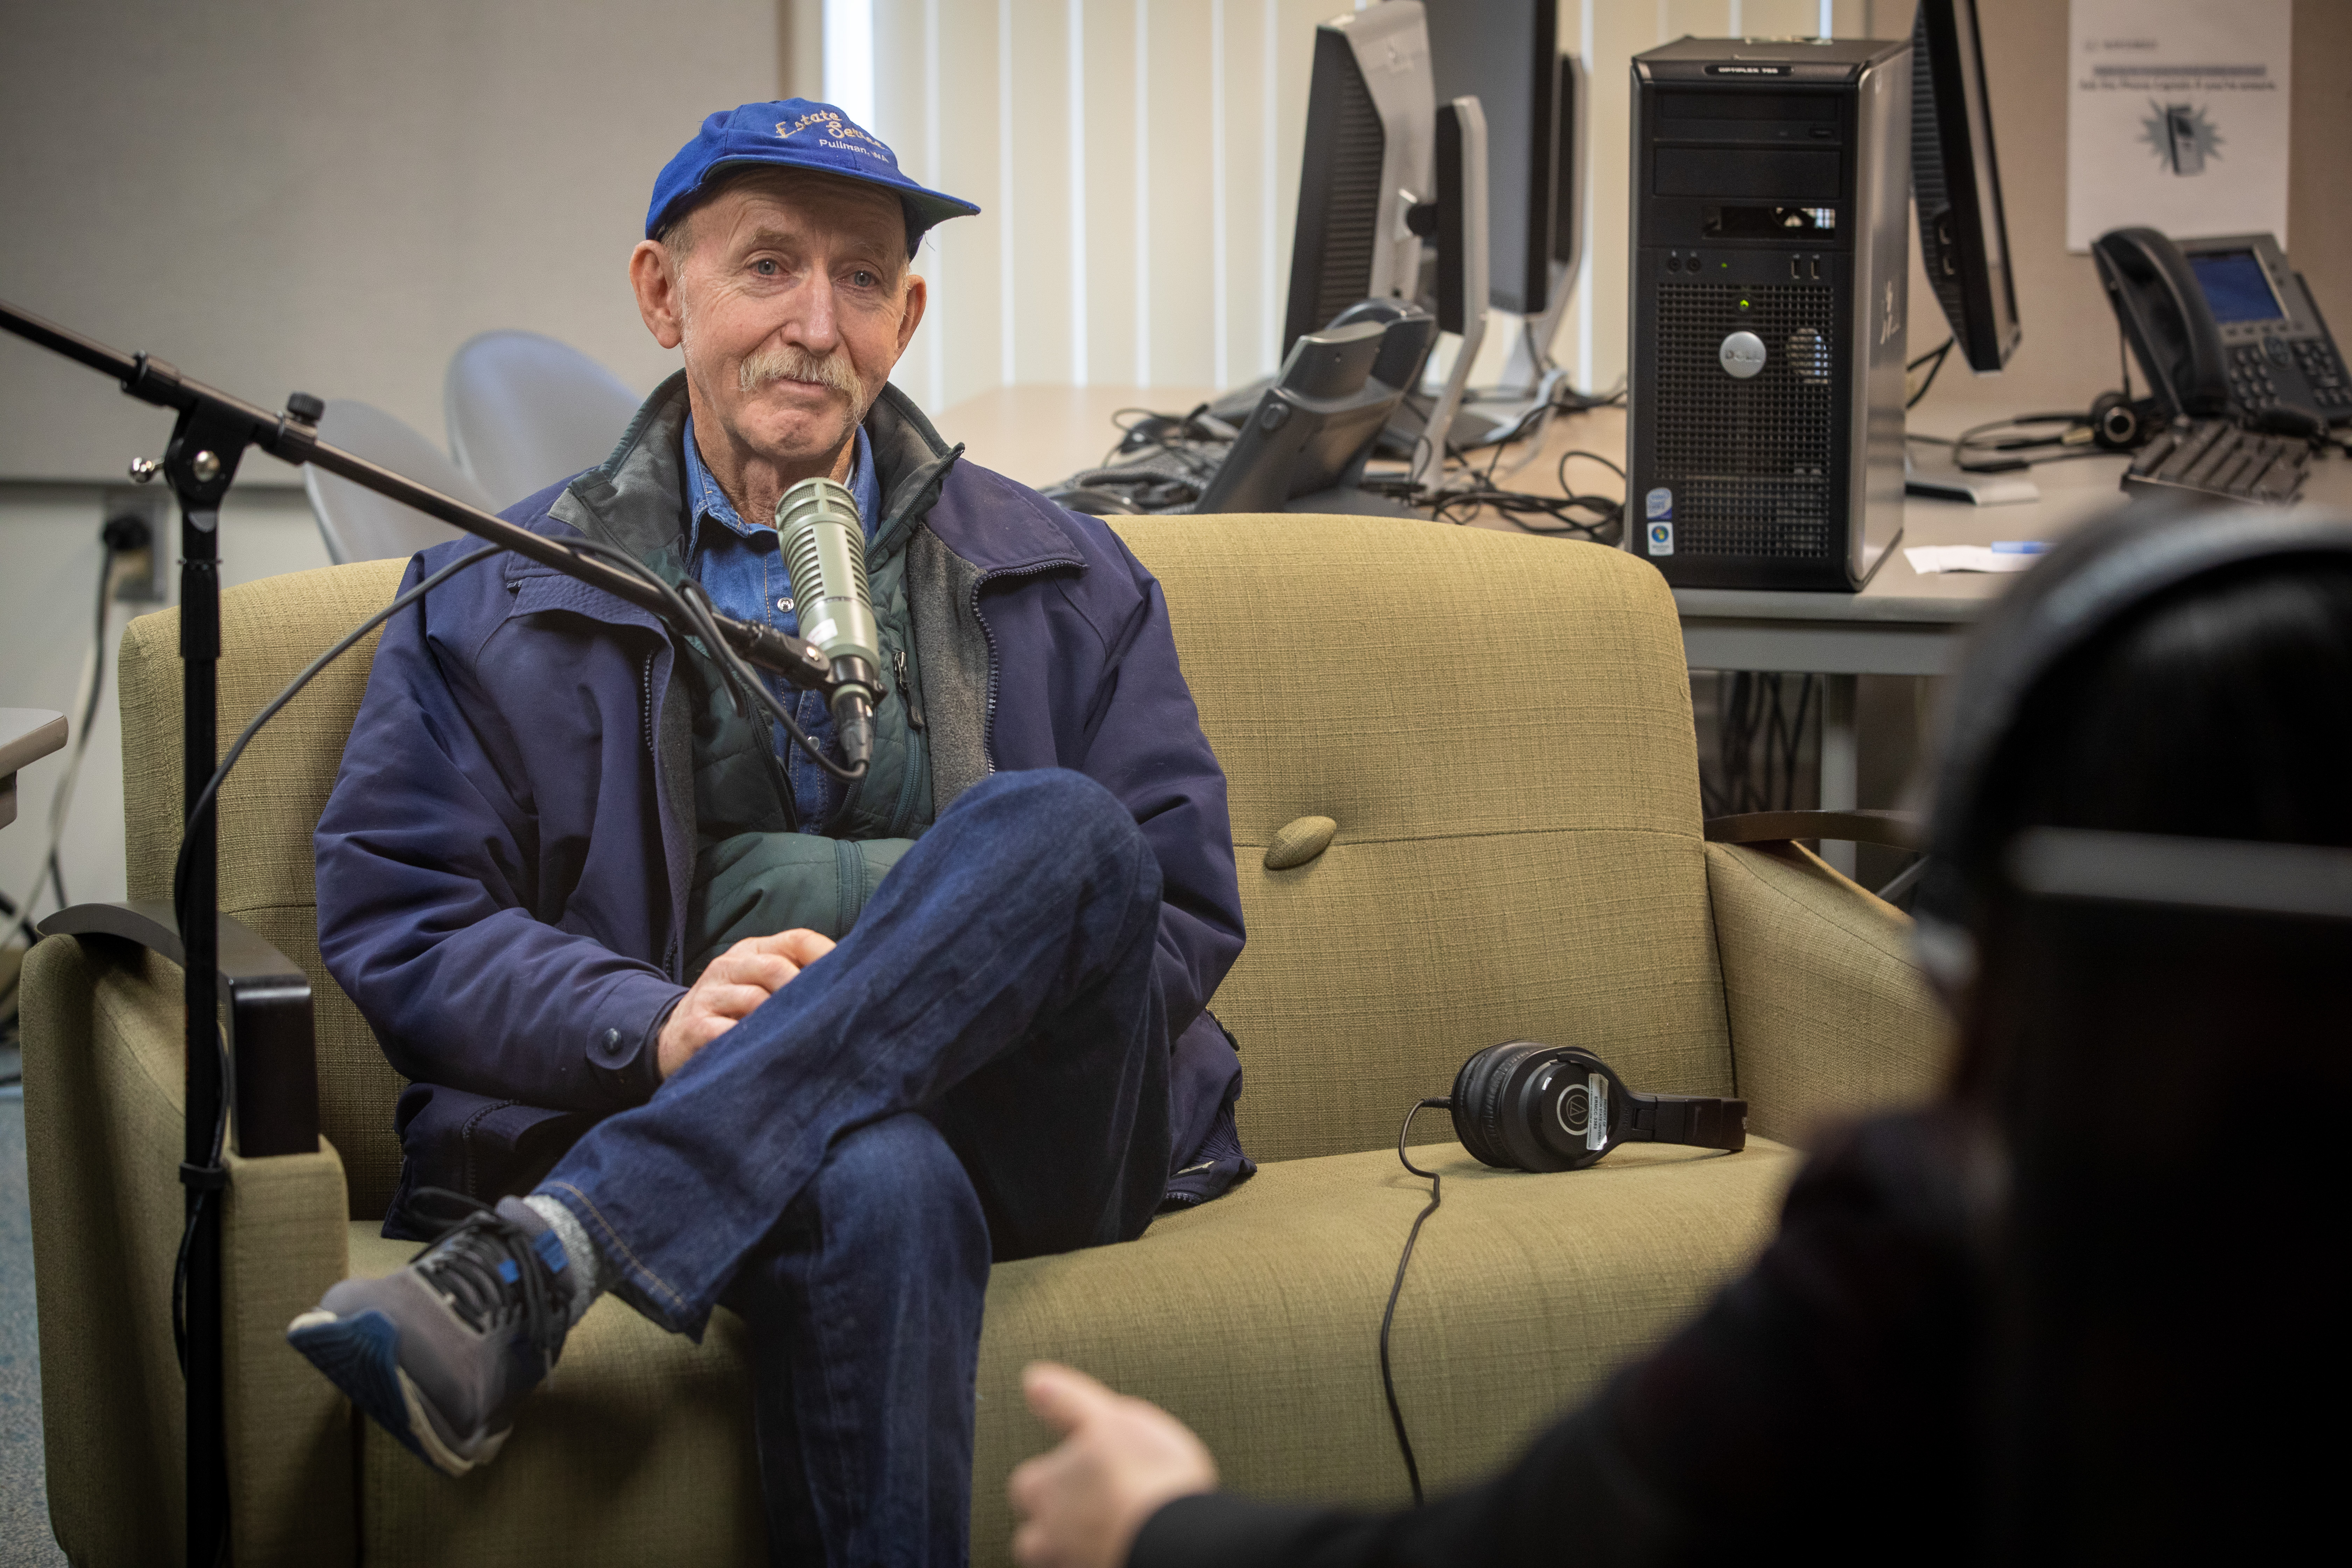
pixel 2223 327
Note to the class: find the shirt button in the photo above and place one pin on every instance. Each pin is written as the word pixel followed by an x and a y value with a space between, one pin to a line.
pixel 611 1039
pixel 783 604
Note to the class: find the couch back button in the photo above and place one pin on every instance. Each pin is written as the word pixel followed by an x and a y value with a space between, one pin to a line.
pixel 1299 842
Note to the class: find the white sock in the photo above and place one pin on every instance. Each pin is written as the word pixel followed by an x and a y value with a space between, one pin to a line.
pixel 584 1264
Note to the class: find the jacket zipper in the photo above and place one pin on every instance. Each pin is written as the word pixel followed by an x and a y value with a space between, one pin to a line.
pixel 671 957
pixel 645 710
pixel 995 661
pixel 906 691
pixel 903 818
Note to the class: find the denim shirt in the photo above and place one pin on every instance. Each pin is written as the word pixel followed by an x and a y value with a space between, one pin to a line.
pixel 739 565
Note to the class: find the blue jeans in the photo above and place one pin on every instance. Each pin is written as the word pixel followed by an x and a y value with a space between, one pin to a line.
pixel 978 1072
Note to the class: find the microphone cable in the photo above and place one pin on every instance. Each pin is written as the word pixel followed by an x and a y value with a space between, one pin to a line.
pixel 1388 1316
pixel 209 795
pixel 692 603
pixel 698 601
pixel 206 801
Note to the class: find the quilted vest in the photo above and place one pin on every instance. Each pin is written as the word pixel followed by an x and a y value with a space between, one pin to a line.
pixel 755 872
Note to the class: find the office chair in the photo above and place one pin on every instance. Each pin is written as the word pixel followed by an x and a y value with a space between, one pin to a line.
pixel 360 525
pixel 525 411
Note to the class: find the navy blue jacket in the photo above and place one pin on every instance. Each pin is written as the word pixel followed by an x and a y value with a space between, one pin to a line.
pixel 503 866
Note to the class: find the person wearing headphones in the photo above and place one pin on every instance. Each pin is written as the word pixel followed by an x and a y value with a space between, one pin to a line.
pixel 2040 1316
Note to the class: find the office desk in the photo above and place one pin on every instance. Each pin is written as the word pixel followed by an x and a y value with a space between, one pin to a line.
pixel 1900 624
pixel 1042 434
pixel 27 735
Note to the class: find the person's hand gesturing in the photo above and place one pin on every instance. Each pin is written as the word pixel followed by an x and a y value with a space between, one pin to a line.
pixel 1082 1505
pixel 736 982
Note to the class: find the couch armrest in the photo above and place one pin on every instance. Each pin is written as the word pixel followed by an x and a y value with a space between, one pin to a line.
pixel 284 1240
pixel 1895 829
pixel 267 997
pixel 103 1127
pixel 1830 1015
pixel 102 1134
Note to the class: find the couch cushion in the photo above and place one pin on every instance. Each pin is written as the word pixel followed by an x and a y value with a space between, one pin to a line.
pixel 1501 727
pixel 1255 1317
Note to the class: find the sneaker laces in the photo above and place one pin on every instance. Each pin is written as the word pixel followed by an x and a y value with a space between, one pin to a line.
pixel 489 1269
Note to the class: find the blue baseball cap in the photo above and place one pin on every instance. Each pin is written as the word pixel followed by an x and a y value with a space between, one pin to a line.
pixel 795 133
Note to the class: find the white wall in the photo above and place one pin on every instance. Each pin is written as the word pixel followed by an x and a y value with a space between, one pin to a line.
pixel 333 194
pixel 323 195
pixel 49 595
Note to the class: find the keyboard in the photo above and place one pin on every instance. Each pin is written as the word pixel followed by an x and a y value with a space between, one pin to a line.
pixel 2214 458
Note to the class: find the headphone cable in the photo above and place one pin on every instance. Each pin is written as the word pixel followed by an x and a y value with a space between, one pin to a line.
pixel 1388 1317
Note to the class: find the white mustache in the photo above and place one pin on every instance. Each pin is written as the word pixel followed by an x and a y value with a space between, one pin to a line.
pixel 788 364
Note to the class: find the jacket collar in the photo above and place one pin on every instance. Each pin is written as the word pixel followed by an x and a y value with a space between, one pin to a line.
pixel 635 499
pixel 995 525
pixel 911 464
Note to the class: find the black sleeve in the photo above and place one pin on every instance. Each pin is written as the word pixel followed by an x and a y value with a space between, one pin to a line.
pixel 1571 1497
pixel 1824 1396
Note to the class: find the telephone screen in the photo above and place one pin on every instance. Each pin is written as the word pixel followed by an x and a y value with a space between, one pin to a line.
pixel 2234 286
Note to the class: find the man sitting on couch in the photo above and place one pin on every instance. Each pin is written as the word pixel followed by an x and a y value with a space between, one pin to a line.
pixel 589 904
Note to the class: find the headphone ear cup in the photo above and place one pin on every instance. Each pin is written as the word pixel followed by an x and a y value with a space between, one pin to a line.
pixel 1478 1103
pixel 1468 1084
pixel 2121 423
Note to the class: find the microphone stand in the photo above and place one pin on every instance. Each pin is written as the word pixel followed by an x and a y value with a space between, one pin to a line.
pixel 208 441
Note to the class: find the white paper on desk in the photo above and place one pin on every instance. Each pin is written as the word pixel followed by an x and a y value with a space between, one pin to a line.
pixel 2177 117
pixel 1928 560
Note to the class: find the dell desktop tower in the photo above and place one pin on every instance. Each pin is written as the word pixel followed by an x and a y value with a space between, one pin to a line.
pixel 1765 381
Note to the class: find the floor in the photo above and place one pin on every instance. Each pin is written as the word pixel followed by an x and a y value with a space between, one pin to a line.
pixel 24 1537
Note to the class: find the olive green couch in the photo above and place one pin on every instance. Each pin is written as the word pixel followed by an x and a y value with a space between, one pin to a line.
pixel 1501 728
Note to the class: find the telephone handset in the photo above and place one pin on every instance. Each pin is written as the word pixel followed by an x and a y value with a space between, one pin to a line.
pixel 2163 315
pixel 2224 326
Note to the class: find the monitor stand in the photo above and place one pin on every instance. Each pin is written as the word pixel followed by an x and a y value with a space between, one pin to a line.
pixel 1530 377
pixel 1469 430
pixel 1948 483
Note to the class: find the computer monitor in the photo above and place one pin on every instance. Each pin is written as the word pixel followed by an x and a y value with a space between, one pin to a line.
pixel 1567 182
pixel 1371 119
pixel 1956 180
pixel 1505 53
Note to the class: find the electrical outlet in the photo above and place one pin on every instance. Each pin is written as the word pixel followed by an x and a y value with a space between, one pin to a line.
pixel 149 580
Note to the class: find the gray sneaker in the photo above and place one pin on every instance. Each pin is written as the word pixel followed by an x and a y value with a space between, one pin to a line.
pixel 439 1353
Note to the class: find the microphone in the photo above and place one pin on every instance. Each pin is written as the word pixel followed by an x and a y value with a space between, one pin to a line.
pixel 824 546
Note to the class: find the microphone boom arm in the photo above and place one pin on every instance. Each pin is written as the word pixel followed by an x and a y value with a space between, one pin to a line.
pixel 288 438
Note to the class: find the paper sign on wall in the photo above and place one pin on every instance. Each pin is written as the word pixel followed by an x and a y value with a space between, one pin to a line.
pixel 2177 117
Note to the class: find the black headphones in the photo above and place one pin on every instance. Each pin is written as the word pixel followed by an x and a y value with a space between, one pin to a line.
pixel 1525 1106
pixel 2122 423
pixel 2094 584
